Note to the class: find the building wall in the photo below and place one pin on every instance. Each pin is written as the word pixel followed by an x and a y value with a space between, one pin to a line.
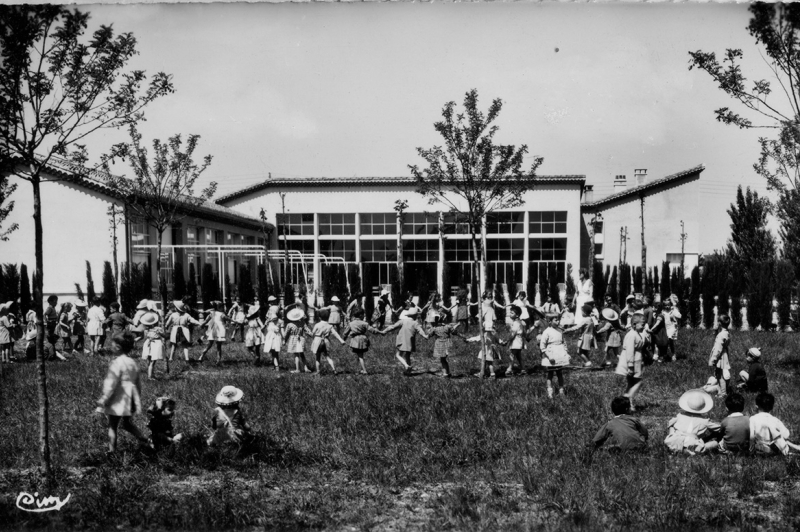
pixel 663 212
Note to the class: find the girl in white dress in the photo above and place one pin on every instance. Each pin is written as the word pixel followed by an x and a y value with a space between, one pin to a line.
pixel 583 294
pixel 178 325
pixel 94 327
pixel 215 320
pixel 153 347
pixel 253 337
pixel 273 338
pixel 554 355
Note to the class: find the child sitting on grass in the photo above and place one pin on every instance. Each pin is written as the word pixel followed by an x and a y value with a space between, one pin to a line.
pixel 735 427
pixel 768 435
pixel 121 397
pixel 161 413
pixel 228 421
pixel 690 432
pixel 719 355
pixel 755 378
pixel 625 432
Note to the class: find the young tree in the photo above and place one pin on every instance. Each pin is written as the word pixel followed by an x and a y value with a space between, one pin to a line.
pixel 638 277
pixel 6 189
pixel 55 90
pixel 784 281
pixel 553 280
pixel 598 284
pixel 116 217
pixel 191 286
pixel 178 282
pixel 90 292
pixel 570 291
pixel 245 289
pixel 664 285
pixel 209 288
pixel 400 207
pixel 694 298
pixel 11 281
pixel 472 175
pixel 750 239
pixel 24 290
pixel 162 191
pixel 759 295
pixel 709 290
pixel 109 285
pixel 624 282
pixel 612 287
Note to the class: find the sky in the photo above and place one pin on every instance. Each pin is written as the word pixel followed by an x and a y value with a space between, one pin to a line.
pixel 340 90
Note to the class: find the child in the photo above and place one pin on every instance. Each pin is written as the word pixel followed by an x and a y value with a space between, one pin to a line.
pixel 586 338
pixel 461 314
pixel 719 355
pixel 141 310
pixel 671 316
pixel 237 317
pixel 550 307
pixel 178 324
pixel 78 320
pixel 442 333
pixel 272 340
pixel 117 321
pixel 253 336
pixel 354 305
pixel 630 362
pixel 517 339
pixel 554 355
pixel 768 435
pixel 153 347
pixel 216 333
pixel 334 313
pixel 121 397
pixel 273 308
pixel 613 330
pixel 64 328
pixel 521 303
pixel 626 432
pixel 94 327
pixel 711 386
pixel 735 427
pixel 755 378
pixel 160 424
pixel 294 339
pixel 689 431
pixel 228 422
pixel 406 342
pixel 659 336
pixel 383 313
pixel 6 344
pixel 321 345
pixel 491 352
pixel 567 317
pixel 51 322
pixel 357 331
pixel 31 331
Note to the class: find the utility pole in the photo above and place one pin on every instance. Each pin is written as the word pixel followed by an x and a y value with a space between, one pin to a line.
pixel 623 245
pixel 286 270
pixel 591 244
pixel 683 243
pixel 644 246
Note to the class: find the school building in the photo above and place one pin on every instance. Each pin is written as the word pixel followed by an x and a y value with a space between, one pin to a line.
pixel 77 228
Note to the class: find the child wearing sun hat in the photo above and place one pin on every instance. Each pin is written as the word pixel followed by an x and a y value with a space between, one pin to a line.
pixel 443 332
pixel 153 347
pixel 406 342
pixel 755 378
pixel 294 337
pixel 253 337
pixel 356 335
pixel 273 339
pixel 228 422
pixel 179 334
pixel 690 431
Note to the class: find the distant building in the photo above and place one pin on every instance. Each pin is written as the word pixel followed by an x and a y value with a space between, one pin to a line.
pixel 77 229
pixel 665 202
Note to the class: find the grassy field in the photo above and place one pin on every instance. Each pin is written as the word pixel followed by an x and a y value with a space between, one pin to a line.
pixel 388 452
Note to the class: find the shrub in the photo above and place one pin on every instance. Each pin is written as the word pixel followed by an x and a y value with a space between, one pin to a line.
pixel 447 284
pixel 543 285
pixel 709 290
pixel 288 294
pixel 759 295
pixel 191 286
pixel 25 299
pixel 554 291
pixel 178 282
pixel 637 280
pixel 530 282
pixel 624 282
pixel 90 293
pixel 612 287
pixel 570 285
pixel 245 289
pixel 694 299
pixel 784 279
pixel 355 280
pixel 208 287
pixel 598 286
pixel 109 286
pixel 11 282
pixel 664 286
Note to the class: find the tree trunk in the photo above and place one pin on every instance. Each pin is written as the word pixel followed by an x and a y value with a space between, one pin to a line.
pixel 477 262
pixel 38 288
pixel 401 278
pixel 644 246
pixel 114 248
pixel 162 296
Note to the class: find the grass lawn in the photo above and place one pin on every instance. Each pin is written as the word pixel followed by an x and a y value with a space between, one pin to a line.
pixel 388 452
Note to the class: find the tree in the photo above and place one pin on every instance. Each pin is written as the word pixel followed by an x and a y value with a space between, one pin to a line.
pixel 191 286
pixel 161 192
pixel 759 295
pixel 178 282
pixel 554 292
pixel 6 189
pixel 472 175
pixel 664 285
pixel 11 281
pixel 709 290
pixel 400 207
pixel 24 290
pixel 694 299
pixel 638 277
pixel 116 217
pixel 612 287
pixel 55 90
pixel 784 281
pixel 245 285
pixel 750 239
pixel 209 288
pixel 598 283
pixel 90 292
pixel 109 285
pixel 570 289
pixel 624 282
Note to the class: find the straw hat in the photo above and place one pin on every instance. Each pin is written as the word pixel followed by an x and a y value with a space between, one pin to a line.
pixel 253 312
pixel 610 314
pixel 335 298
pixel 229 396
pixel 141 306
pixel 179 305
pixel 271 298
pixel 80 303
pixel 696 402
pixel 295 314
pixel 151 318
pixel 754 352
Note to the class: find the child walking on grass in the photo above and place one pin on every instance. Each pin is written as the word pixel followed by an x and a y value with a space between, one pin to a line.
pixel 179 334
pixel 121 397
pixel 491 353
pixel 228 421
pixel 690 431
pixel 153 347
pixel 96 318
pixel 253 336
pixel 272 340
pixel 321 345
pixel 356 335
pixel 719 355
pixel 554 355
pixel 295 339
pixel 624 432
pixel 768 435
pixel 406 342
pixel 216 332
pixel 517 340
pixel 630 362
pixel 161 413
pixel 443 332
pixel 586 340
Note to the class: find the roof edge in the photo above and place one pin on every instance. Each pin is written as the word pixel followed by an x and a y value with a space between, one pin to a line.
pixel 635 191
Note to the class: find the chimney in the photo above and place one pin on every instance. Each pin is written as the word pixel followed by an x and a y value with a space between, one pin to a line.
pixel 620 183
pixel 640 175
pixel 588 194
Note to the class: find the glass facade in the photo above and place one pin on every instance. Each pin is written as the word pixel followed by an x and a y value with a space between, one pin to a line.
pixel 505 223
pixel 547 222
pixel 379 223
pixel 421 223
pixel 336 224
pixel 296 224
pixel 421 250
pixel 378 250
pixel 342 249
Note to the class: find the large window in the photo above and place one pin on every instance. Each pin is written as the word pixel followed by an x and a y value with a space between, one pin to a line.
pixel 505 222
pixel 548 249
pixel 421 250
pixel 378 250
pixel 503 249
pixel 421 223
pixel 296 224
pixel 548 222
pixel 458 250
pixel 379 223
pixel 192 235
pixel 343 249
pixel 140 234
pixel 337 224
pixel 455 224
pixel 303 246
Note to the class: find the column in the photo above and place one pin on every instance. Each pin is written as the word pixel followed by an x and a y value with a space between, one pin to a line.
pixel 443 290
pixel 317 270
pixel 485 258
pixel 526 262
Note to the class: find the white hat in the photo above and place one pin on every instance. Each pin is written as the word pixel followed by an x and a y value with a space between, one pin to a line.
pixel 179 305
pixel 253 311
pixel 4 306
pixel 295 314
pixel 229 395
pixel 754 352
pixel 151 318
pixel 410 313
pixel 696 402
pixel 142 304
pixel 610 314
pixel 271 298
pixel 384 292
pixel 80 303
pixel 335 298
pixel 151 305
